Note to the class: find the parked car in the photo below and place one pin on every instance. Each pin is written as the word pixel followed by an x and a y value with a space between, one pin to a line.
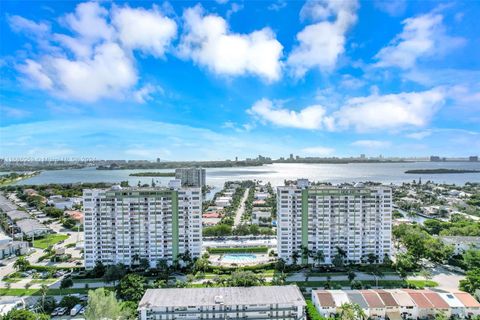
pixel 76 309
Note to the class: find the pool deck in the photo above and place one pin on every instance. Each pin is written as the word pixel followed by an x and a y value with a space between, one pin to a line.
pixel 217 259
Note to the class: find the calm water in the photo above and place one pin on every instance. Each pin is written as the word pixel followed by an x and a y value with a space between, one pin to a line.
pixel 276 174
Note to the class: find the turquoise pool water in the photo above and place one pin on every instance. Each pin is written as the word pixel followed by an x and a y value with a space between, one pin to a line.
pixel 239 258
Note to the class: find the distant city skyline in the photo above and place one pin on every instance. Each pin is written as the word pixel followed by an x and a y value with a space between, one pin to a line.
pixel 218 80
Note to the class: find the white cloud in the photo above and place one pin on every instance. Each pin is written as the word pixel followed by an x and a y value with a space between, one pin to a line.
pixel 422 36
pixel 20 24
pixel 89 21
pixel 419 135
pixel 208 41
pixel 320 44
pixel 146 30
pixel 391 111
pixel 145 93
pixel 36 74
pixel 234 7
pixel 278 5
pixel 370 113
pixel 312 117
pixel 9 112
pixel 109 73
pixel 371 144
pixel 319 151
pixel 392 7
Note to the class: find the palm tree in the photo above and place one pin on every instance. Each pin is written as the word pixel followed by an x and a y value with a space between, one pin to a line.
pixel 295 256
pixel 43 291
pixel 351 311
pixel 319 257
pixel 305 253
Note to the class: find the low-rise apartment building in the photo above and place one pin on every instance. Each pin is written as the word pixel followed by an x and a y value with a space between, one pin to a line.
pixel 354 221
pixel 125 225
pixel 398 303
pixel 269 302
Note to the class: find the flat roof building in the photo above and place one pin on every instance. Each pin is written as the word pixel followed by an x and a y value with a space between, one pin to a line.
pixel 269 302
pixel 32 228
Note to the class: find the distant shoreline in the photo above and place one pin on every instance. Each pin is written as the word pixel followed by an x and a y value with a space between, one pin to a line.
pixel 440 171
pixel 152 174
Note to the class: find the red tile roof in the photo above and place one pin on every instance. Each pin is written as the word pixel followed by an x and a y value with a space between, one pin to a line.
pixel 420 300
pixel 372 299
pixel 467 299
pixel 387 298
pixel 436 300
pixel 325 298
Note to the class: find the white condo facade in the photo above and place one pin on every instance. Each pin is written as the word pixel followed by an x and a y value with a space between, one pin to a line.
pixel 127 224
pixel 191 177
pixel 356 219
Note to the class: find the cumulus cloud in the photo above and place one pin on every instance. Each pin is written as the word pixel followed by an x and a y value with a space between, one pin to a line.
pixel 422 36
pixel 319 151
pixel 312 117
pixel 89 21
pixel 208 41
pixel 371 144
pixel 95 60
pixel 109 73
pixel 146 30
pixel 320 44
pixel 391 111
pixel 370 113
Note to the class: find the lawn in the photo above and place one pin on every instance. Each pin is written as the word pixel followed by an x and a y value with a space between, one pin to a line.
pixel 371 283
pixel 423 283
pixel 37 292
pixel 49 240
pixel 44 281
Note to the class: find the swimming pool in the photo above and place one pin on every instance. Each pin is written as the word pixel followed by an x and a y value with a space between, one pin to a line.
pixel 239 258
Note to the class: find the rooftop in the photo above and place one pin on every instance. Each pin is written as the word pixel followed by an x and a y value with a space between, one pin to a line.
pixel 154 298
pixel 18 215
pixel 29 225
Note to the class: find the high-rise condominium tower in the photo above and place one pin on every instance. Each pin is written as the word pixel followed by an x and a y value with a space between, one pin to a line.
pixel 125 225
pixel 191 177
pixel 348 222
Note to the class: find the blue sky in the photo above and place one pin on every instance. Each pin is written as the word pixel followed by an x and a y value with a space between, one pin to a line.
pixel 215 80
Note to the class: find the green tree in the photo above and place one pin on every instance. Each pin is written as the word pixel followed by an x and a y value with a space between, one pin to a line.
pixel 66 282
pixel 21 264
pixel 114 273
pixel 471 281
pixel 102 304
pixel 351 311
pixel 471 257
pixel 132 287
pixel 99 270
pixel 43 291
pixel 201 265
pixel 351 275
pixel 280 265
pixel 24 315
pixel 319 257
pixel 295 256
